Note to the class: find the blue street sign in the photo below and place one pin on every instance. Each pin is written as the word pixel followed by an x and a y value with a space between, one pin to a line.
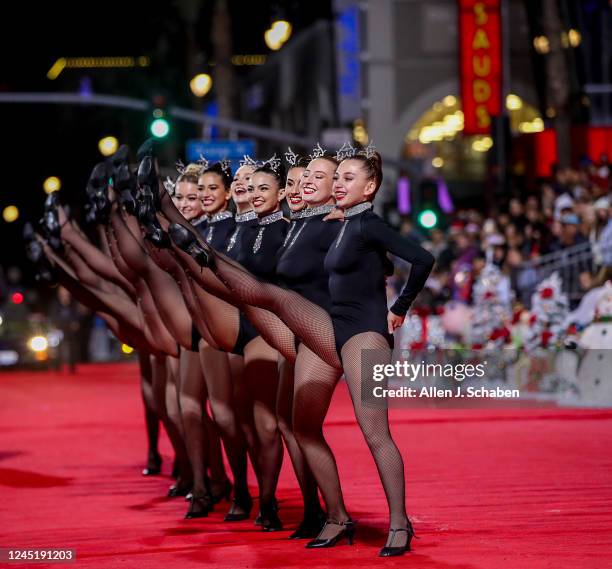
pixel 216 150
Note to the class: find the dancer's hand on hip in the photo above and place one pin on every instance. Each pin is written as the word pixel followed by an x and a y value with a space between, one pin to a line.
pixel 394 321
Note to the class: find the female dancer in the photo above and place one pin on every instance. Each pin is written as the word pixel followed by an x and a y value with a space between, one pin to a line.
pixel 256 245
pixel 266 190
pixel 301 244
pixel 356 267
pixel 213 186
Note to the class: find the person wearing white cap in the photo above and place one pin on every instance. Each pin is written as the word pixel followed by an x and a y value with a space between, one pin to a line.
pixel 563 204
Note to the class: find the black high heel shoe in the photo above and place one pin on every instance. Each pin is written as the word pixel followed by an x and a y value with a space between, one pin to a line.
pixel 186 241
pixel 258 518
pixel 125 184
pixel 269 518
pixel 117 160
pixel 390 551
pixel 147 177
pixel 245 503
pixel 179 489
pixel 98 204
pixel 225 493
pixel 34 249
pixel 310 526
pixel 50 217
pixel 348 531
pixel 153 467
pixel 199 507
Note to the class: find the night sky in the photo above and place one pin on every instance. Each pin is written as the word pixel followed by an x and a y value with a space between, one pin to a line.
pixel 46 140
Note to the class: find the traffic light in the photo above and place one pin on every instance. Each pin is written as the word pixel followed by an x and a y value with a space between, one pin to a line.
pixel 432 204
pixel 159 127
pixel 428 219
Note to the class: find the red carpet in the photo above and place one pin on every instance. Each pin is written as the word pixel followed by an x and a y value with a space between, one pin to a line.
pixel 518 488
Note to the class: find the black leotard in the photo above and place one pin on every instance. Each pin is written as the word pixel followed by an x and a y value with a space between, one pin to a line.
pixel 217 229
pixel 256 250
pixel 300 265
pixel 355 264
pixel 258 253
pixel 245 224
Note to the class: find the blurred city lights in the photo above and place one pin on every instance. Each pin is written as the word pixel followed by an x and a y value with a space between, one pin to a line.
pixel 536 125
pixel 428 219
pixel 17 298
pixel 52 184
pixel 278 34
pixel 482 144
pixel 126 349
pixel 450 101
pixel 513 102
pixel 541 44
pixel 201 84
pixel 360 134
pixel 574 37
pixel 160 128
pixel 437 162
pixel 95 63
pixel 108 145
pixel 38 343
pixel 10 213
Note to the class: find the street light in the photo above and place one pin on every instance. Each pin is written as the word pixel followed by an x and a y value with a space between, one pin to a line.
pixel 52 184
pixel 278 34
pixel 10 213
pixel 201 84
pixel 108 145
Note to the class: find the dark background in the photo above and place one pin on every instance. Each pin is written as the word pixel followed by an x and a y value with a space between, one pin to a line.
pixel 53 140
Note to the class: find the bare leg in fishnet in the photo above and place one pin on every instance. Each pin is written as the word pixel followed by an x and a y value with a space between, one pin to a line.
pixel 243 403
pixel 308 321
pixel 315 382
pixel 284 413
pixel 151 418
pixel 191 399
pixel 218 380
pixel 261 376
pixel 374 424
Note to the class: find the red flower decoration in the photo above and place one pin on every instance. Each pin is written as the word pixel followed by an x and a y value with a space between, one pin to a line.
pixel 546 336
pixel 489 294
pixel 499 333
pixel 546 292
pixel 533 319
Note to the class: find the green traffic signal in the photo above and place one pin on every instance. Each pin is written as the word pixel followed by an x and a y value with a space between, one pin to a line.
pixel 160 128
pixel 428 219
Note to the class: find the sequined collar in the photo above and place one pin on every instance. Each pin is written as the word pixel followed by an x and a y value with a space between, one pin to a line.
pixel 357 209
pixel 296 214
pixel 199 220
pixel 311 211
pixel 271 218
pixel 220 216
pixel 247 216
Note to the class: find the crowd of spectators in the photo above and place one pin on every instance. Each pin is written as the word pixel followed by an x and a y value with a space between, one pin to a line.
pixel 565 223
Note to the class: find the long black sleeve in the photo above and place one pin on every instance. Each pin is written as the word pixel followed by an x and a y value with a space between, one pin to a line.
pixel 378 232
